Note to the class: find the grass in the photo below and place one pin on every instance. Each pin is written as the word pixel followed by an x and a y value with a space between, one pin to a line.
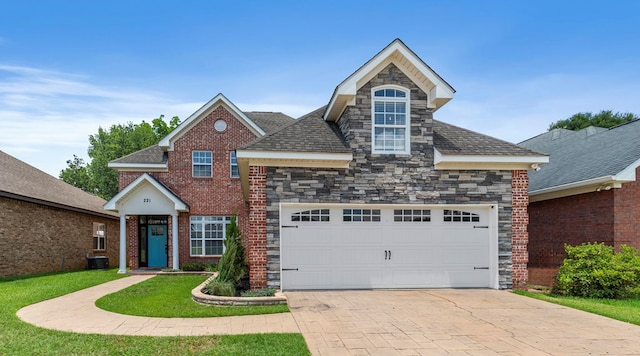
pixel 170 297
pixel 627 310
pixel 20 338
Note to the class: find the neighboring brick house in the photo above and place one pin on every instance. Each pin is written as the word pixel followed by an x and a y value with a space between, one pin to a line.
pixel 367 192
pixel 589 192
pixel 47 225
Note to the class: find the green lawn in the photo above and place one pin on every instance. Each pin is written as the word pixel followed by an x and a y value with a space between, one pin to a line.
pixel 170 297
pixel 624 310
pixel 20 338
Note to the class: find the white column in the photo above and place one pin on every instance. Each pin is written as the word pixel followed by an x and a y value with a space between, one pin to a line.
pixel 174 241
pixel 123 244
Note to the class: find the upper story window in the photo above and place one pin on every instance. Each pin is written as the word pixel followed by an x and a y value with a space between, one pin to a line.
pixel 202 164
pixel 233 165
pixel 391 124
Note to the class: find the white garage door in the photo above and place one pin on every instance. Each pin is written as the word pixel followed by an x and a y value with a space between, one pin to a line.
pixel 353 247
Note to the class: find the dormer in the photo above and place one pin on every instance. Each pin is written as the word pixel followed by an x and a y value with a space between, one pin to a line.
pixel 438 91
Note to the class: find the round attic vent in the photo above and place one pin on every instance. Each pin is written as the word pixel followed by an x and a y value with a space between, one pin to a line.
pixel 220 125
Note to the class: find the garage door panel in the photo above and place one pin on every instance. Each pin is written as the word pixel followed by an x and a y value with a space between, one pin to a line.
pixel 416 248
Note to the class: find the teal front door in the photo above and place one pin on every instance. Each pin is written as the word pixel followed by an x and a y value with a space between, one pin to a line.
pixel 157 235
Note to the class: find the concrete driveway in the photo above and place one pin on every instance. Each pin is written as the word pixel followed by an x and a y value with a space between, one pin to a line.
pixel 448 321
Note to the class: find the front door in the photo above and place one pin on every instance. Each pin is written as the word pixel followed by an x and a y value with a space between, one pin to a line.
pixel 157 237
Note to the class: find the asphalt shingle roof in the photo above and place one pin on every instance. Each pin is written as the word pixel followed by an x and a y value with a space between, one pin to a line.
pixel 150 155
pixel 22 181
pixel 590 153
pixel 309 133
pixel 454 140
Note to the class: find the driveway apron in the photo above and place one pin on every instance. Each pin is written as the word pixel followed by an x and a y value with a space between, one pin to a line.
pixel 453 321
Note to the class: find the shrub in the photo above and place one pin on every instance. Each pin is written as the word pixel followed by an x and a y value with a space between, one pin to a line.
pixel 211 267
pixel 221 288
pixel 193 266
pixel 596 271
pixel 233 266
pixel 265 292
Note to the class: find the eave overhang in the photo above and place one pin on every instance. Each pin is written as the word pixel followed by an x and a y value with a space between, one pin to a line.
pixel 598 184
pixel 247 158
pixel 139 167
pixel 485 162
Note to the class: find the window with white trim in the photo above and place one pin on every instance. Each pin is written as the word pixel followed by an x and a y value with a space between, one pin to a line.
pixel 361 215
pixel 311 215
pixel 99 236
pixel 202 163
pixel 391 121
pixel 233 165
pixel 207 235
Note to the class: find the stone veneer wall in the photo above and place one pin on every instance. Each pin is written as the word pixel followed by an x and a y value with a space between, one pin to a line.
pixel 389 179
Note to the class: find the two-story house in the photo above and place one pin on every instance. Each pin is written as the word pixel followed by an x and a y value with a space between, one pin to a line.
pixel 368 191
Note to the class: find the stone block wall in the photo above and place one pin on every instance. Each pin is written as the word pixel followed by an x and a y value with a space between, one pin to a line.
pixel 36 238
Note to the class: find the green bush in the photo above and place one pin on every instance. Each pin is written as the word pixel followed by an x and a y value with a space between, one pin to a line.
pixel 233 266
pixel 211 267
pixel 221 288
pixel 596 271
pixel 265 292
pixel 193 266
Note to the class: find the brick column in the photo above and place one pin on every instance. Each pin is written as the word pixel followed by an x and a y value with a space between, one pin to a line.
pixel 519 234
pixel 256 242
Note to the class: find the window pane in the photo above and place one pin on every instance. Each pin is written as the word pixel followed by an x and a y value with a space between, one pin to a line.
pixel 379 93
pixel 400 94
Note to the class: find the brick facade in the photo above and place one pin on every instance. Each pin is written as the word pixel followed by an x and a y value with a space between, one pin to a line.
pixel 36 238
pixel 389 179
pixel 256 241
pixel 519 234
pixel 219 195
pixel 609 216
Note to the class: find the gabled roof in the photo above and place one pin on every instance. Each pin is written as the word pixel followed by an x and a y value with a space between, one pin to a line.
pixel 21 181
pixel 220 99
pixel 439 92
pixel 146 179
pixel 154 158
pixel 586 160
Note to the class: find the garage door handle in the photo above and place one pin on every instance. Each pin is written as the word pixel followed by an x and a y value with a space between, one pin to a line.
pixel 480 226
pixel 289 269
pixel 289 226
pixel 387 254
pixel 480 267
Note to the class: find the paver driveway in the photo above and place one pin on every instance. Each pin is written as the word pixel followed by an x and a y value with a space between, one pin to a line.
pixel 453 321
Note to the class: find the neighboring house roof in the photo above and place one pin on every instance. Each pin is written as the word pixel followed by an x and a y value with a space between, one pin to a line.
pixel 439 92
pixel 21 181
pixel 586 160
pixel 155 157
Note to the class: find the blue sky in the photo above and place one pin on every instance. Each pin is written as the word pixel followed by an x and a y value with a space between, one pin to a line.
pixel 69 67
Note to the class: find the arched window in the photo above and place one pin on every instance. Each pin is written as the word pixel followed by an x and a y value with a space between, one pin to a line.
pixel 391 120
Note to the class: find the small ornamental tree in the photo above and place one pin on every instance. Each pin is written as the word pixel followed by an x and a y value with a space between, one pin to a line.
pixel 596 271
pixel 233 266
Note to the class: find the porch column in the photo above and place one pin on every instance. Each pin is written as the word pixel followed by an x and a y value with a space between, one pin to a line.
pixel 174 241
pixel 123 244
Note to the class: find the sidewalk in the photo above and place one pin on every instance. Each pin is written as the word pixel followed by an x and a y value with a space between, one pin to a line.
pixel 76 312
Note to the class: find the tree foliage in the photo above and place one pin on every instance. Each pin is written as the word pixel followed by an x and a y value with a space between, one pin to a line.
pixel 106 145
pixel 233 266
pixel 604 119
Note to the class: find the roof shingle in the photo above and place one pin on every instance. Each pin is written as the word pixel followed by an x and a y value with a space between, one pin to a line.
pixel 22 181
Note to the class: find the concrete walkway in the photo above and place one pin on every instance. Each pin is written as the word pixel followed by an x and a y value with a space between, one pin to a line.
pixel 76 312
pixel 453 321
